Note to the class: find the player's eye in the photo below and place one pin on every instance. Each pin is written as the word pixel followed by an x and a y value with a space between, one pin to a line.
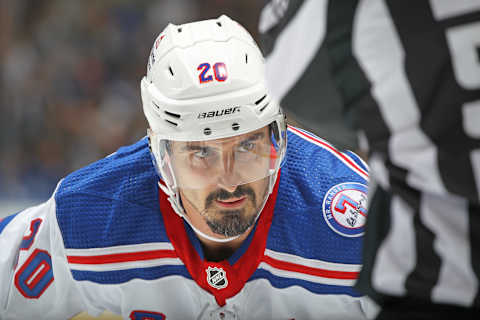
pixel 203 153
pixel 246 146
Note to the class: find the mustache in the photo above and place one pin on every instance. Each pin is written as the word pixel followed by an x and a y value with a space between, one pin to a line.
pixel 222 194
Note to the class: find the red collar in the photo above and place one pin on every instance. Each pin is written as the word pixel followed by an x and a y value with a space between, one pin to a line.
pixel 219 278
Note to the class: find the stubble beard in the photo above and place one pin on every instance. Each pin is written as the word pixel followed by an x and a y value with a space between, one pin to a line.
pixel 234 222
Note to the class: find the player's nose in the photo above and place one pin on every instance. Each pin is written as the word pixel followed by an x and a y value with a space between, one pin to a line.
pixel 228 179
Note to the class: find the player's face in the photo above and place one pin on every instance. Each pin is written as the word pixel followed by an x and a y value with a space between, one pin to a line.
pixel 220 172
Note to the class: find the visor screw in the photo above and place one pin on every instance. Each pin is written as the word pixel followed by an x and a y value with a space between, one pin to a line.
pixel 207 131
pixel 235 126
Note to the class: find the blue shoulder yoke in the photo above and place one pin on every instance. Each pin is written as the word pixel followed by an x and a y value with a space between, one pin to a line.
pixel 111 202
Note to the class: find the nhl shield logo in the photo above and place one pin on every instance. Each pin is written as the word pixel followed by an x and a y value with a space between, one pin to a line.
pixel 217 277
pixel 345 208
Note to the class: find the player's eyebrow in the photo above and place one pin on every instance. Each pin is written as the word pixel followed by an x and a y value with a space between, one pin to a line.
pixel 253 137
pixel 191 146
pixel 194 147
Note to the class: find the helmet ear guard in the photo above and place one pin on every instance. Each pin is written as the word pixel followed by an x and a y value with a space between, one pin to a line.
pixel 161 160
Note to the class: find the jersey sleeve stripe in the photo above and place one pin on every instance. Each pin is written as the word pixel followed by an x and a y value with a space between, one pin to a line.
pixel 141 264
pixel 122 257
pixel 122 276
pixel 318 286
pixel 346 160
pixel 152 246
pixel 313 263
pixel 352 155
pixel 302 269
pixel 291 275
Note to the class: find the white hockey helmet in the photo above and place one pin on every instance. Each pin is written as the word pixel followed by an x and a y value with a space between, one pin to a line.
pixel 206 82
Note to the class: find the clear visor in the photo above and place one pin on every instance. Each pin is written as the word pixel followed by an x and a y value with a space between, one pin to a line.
pixel 223 162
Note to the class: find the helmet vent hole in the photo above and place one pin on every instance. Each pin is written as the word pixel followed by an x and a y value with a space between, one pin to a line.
pixel 235 126
pixel 260 100
pixel 207 131
pixel 175 115
pixel 246 58
pixel 171 122
pixel 171 71
pixel 219 23
pixel 263 108
pixel 179 30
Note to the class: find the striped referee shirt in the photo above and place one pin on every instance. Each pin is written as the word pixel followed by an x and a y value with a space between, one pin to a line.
pixel 406 74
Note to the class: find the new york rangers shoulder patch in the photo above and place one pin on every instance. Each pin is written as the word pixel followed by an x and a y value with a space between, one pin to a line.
pixel 345 208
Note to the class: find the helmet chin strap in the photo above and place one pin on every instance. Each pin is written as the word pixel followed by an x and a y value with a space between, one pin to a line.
pixel 174 199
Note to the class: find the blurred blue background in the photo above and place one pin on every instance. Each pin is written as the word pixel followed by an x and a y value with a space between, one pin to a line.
pixel 69 86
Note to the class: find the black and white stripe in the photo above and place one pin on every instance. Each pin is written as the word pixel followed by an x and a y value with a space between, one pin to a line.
pixel 428 250
pixel 407 73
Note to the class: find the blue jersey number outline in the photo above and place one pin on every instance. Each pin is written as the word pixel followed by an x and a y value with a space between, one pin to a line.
pixel 146 315
pixel 35 275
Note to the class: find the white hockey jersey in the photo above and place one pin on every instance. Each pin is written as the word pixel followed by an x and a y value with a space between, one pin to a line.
pixel 109 240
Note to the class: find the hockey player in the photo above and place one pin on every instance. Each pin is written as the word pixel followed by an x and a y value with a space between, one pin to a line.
pixel 226 222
